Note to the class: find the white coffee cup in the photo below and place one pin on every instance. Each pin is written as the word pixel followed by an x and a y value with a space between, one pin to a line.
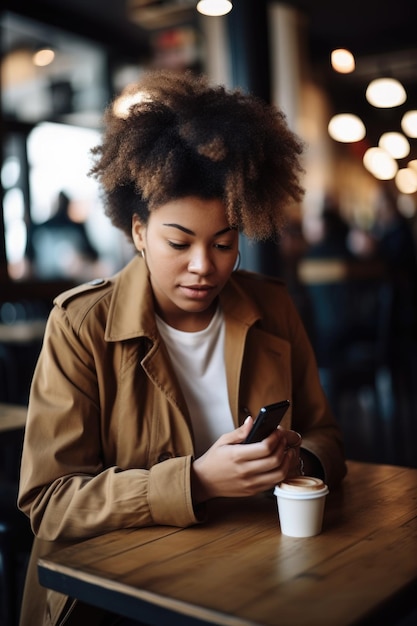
pixel 301 503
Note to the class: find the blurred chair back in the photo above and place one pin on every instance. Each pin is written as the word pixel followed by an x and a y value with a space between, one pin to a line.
pixel 16 536
pixel 351 326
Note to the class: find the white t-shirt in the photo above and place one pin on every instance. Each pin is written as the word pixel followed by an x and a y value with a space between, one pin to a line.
pixel 198 360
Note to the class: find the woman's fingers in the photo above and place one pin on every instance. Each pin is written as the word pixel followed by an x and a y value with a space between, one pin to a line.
pixel 294 439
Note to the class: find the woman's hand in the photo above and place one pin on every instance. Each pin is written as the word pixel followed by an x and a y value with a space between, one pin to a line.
pixel 230 470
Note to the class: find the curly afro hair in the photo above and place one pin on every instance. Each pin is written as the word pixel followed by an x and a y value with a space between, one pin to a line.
pixel 173 135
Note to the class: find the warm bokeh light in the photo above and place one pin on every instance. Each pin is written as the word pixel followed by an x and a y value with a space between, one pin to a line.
pixel 406 205
pixel 385 93
pixel 214 8
pixel 379 163
pixel 342 61
pixel 43 57
pixel 406 180
pixel 396 144
pixel 123 104
pixel 346 128
pixel 409 123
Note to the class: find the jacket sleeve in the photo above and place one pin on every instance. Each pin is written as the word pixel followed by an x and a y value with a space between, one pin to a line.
pixel 68 487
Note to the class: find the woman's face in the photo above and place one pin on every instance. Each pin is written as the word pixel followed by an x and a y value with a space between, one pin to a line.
pixel 190 251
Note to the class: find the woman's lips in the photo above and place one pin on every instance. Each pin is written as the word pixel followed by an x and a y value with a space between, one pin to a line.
pixel 197 292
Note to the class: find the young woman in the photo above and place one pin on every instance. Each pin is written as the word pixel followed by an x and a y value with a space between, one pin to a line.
pixel 148 382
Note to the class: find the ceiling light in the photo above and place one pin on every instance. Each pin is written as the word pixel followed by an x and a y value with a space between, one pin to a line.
pixel 385 93
pixel 342 61
pixel 380 163
pixel 409 123
pixel 43 57
pixel 214 8
pixel 406 180
pixel 346 128
pixel 396 144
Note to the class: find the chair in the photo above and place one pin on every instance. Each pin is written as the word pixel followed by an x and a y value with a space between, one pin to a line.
pixel 16 536
pixel 352 319
pixel 8 375
pixel 352 325
pixel 16 539
pixel 364 354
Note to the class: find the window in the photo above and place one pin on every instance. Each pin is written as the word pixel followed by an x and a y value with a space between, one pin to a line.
pixel 54 224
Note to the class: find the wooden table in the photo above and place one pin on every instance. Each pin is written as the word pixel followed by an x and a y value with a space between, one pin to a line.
pixel 238 570
pixel 12 417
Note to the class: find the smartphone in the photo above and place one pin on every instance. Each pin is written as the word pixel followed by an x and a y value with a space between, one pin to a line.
pixel 267 421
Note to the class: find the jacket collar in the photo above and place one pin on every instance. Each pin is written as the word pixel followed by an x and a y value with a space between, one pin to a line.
pixel 131 313
pixel 237 304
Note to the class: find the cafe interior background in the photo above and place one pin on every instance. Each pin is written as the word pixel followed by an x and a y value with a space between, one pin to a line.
pixel 61 63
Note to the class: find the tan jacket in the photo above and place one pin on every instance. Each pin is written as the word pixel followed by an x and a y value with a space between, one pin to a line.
pixel 109 442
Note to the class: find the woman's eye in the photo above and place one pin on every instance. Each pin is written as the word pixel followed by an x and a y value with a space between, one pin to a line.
pixel 177 246
pixel 183 246
pixel 222 246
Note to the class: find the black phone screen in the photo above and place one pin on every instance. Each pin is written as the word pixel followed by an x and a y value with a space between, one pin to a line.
pixel 267 421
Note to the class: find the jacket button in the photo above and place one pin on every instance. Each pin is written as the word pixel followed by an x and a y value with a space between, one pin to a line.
pixel 96 281
pixel 164 456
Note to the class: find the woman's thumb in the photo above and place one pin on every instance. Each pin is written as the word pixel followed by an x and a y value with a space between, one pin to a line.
pixel 244 430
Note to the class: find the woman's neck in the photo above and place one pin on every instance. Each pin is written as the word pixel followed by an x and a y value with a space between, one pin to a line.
pixel 188 322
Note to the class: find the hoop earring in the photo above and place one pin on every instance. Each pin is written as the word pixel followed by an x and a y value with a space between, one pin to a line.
pixel 237 264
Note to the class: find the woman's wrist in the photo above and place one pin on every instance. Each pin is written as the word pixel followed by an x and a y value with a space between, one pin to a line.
pixel 199 492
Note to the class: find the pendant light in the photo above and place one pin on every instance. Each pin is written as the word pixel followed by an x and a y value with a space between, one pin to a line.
pixel 342 61
pixel 385 93
pixel 406 180
pixel 380 163
pixel 346 127
pixel 396 144
pixel 43 56
pixel 214 8
pixel 409 123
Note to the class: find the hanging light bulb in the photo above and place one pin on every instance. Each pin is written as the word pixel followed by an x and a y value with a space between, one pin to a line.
pixel 385 93
pixel 380 163
pixel 342 61
pixel 396 144
pixel 406 180
pixel 409 123
pixel 346 128
pixel 214 8
pixel 43 57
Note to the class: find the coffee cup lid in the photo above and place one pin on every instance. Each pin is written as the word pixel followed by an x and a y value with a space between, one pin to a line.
pixel 302 483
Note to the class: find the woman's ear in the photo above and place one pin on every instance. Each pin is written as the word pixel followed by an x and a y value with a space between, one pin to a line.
pixel 138 233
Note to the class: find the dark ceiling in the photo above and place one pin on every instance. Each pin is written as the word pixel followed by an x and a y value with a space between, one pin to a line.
pixel 367 27
pixel 382 36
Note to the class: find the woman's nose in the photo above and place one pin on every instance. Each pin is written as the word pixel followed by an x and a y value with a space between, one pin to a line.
pixel 200 262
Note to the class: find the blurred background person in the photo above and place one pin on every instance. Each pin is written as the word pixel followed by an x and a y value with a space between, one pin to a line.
pixel 61 247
